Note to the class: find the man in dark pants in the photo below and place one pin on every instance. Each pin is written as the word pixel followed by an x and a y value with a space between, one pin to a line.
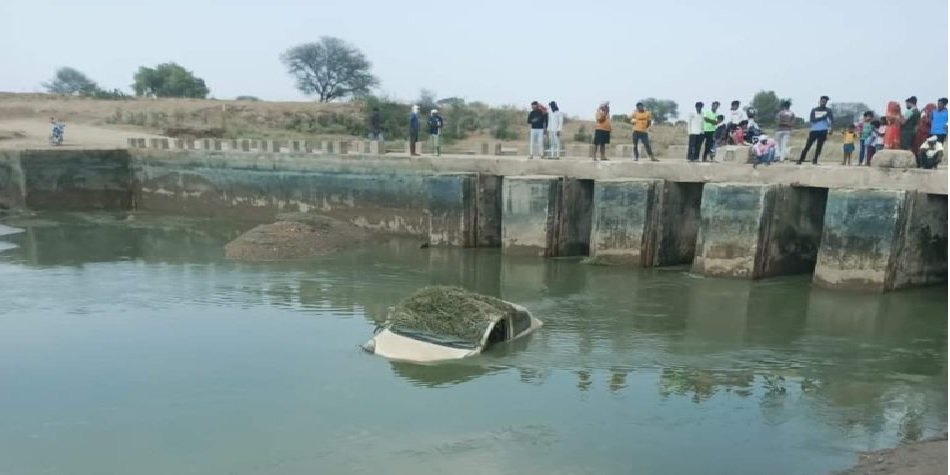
pixel 909 123
pixel 695 127
pixel 820 120
pixel 376 125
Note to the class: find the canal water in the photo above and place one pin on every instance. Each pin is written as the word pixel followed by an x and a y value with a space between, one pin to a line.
pixel 130 345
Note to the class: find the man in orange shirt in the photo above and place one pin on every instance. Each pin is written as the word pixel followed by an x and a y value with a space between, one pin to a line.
pixel 641 119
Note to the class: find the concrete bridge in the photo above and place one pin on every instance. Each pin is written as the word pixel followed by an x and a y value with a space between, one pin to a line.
pixel 874 229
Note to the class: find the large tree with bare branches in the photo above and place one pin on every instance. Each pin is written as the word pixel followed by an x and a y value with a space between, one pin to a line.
pixel 330 69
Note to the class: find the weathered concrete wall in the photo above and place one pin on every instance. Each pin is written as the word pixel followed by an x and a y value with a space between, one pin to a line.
pixel 66 179
pixel 546 216
pixel 757 231
pixel 859 239
pixel 624 221
pixel 12 193
pixel 677 223
pixel 794 231
pixel 258 187
pixel 731 220
pixel 879 240
pixel 529 223
pixel 923 254
pixel 452 209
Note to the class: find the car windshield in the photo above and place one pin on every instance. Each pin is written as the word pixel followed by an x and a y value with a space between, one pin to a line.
pixel 422 335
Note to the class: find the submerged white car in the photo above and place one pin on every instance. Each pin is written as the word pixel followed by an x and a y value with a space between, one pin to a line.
pixel 448 323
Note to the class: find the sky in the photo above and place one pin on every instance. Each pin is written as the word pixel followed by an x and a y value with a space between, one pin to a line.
pixel 504 52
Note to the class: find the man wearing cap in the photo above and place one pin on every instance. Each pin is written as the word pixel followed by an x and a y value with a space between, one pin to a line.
pixel 930 154
pixel 909 122
pixel 435 131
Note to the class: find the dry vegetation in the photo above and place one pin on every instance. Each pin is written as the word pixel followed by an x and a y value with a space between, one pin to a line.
pixel 27 115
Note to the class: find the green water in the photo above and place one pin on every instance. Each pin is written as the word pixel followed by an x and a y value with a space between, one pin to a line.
pixel 127 348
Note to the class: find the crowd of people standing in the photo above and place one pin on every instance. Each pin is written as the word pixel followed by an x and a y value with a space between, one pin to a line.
pixel 922 132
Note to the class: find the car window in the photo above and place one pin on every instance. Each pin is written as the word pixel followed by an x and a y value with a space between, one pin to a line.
pixel 520 322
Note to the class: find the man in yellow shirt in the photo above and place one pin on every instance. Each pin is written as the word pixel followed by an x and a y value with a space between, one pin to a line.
pixel 641 119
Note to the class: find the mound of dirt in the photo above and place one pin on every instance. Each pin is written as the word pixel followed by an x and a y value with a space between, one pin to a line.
pixel 295 237
pixel 926 457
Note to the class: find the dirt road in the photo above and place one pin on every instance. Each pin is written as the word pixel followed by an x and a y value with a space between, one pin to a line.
pixel 34 133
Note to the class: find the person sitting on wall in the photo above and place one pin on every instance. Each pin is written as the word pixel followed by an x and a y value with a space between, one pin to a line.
pixel 930 154
pixel 763 151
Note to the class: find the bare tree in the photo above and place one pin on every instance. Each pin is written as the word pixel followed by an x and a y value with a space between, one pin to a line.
pixel 331 69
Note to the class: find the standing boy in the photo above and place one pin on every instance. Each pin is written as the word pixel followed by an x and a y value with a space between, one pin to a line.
pixel 695 126
pixel 820 119
pixel 435 131
pixel 538 122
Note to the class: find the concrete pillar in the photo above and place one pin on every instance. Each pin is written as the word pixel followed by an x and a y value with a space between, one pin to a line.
pixel 878 240
pixel 645 222
pixel 546 216
pixel 234 144
pixel 342 147
pixel 677 224
pixel 624 222
pixel 207 144
pixel 328 146
pixel 245 145
pixel 754 231
pixel 451 209
pixel 489 210
pixel 216 144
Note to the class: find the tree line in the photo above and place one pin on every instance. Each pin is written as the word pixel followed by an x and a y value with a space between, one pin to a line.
pixel 332 69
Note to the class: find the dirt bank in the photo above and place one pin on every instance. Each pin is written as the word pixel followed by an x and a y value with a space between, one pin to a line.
pixel 295 236
pixel 927 457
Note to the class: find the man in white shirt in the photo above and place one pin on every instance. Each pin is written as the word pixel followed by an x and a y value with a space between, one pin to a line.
pixel 695 127
pixel 555 124
pixel 737 114
pixel 930 154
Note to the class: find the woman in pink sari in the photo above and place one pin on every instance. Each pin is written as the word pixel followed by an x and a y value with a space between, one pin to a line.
pixel 892 137
pixel 923 127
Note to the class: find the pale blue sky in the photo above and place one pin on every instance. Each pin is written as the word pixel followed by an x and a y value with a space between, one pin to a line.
pixel 504 52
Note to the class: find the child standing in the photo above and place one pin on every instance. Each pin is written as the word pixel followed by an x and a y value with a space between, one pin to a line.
pixel 875 141
pixel 848 140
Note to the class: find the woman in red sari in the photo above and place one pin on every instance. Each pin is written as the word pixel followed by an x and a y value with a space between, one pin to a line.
pixel 923 127
pixel 892 136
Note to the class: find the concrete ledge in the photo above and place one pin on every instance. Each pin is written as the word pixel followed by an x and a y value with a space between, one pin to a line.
pixel 894 159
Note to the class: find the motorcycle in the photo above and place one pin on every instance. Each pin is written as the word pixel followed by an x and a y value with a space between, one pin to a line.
pixel 56 137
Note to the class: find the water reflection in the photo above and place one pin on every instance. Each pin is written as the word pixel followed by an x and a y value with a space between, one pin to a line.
pixel 872 365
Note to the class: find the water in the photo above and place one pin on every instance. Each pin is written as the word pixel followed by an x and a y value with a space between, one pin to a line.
pixel 128 347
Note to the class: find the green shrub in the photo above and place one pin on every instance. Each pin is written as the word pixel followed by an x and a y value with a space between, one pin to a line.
pixel 582 135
